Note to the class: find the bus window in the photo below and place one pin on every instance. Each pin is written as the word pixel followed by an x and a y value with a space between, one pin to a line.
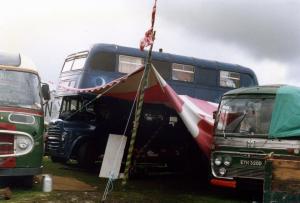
pixel 73 105
pixel 70 104
pixel 183 72
pixel 229 79
pixel 103 61
pixel 68 65
pixel 63 106
pixel 78 63
pixel 74 62
pixel 164 68
pixel 128 64
pixel 72 83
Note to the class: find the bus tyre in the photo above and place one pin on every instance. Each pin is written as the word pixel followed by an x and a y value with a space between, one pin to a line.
pixel 56 159
pixel 87 155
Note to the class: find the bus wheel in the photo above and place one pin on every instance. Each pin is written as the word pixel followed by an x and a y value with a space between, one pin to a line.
pixel 87 155
pixel 56 159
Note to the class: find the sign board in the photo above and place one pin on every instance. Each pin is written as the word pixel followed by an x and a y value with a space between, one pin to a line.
pixel 113 156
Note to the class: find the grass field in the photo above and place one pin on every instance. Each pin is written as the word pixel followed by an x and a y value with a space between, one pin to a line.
pixel 154 189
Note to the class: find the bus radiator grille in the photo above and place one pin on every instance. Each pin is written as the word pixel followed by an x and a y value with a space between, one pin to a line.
pixel 6 144
pixel 54 138
pixel 257 173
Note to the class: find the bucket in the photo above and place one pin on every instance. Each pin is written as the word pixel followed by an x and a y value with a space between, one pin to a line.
pixel 47 183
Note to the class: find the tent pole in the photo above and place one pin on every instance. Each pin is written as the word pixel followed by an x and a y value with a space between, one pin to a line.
pixel 137 115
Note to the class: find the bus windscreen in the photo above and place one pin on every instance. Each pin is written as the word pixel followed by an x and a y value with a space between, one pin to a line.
pixel 74 63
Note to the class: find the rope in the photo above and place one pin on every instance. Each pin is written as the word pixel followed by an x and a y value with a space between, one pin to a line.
pixel 109 184
pixel 150 140
pixel 91 101
pixel 148 40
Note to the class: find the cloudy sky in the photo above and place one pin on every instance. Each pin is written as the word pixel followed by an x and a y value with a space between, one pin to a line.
pixel 263 35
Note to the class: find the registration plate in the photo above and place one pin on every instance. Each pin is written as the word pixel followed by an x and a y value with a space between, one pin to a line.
pixel 251 162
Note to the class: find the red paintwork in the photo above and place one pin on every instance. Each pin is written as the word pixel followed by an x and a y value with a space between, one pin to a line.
pixel 223 183
pixel 11 161
pixel 8 162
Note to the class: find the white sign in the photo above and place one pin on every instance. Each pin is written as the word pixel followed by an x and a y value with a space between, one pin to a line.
pixel 113 156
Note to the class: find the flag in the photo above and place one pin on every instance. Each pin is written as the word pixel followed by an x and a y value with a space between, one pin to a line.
pixel 149 35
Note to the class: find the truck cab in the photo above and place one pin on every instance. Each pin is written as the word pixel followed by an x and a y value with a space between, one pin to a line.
pixel 251 125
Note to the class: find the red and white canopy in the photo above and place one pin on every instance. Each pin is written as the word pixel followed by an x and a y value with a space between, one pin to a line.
pixel 195 113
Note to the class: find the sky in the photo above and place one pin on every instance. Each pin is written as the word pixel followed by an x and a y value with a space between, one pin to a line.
pixel 261 35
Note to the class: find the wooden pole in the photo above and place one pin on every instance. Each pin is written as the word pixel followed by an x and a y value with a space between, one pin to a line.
pixel 137 115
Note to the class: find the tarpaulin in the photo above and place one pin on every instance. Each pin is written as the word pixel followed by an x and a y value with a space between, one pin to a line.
pixel 195 113
pixel 285 120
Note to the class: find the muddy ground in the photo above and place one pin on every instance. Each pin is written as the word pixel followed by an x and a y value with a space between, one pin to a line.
pixel 72 184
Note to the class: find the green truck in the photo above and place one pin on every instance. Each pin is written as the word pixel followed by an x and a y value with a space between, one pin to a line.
pixel 253 125
pixel 21 118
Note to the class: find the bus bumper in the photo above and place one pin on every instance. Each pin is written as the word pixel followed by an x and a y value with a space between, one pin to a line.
pixel 223 183
pixel 20 171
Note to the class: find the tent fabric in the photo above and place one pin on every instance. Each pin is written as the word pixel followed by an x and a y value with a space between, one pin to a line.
pixel 285 120
pixel 195 113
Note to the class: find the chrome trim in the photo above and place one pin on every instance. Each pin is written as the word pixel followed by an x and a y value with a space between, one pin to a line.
pixel 11 121
pixel 16 133
pixel 241 153
pixel 5 143
pixel 234 153
pixel 262 143
pixel 214 173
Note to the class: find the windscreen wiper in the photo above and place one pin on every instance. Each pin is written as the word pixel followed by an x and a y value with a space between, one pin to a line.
pixel 238 122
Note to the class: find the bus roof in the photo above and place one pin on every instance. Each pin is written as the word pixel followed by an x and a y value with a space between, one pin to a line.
pixel 161 56
pixel 16 61
pixel 263 89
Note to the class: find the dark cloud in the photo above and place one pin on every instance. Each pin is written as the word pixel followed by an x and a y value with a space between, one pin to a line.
pixel 266 29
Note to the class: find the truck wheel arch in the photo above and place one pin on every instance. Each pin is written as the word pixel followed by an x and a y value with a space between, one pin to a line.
pixel 76 145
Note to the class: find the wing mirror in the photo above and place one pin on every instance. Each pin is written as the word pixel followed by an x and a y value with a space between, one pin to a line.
pixel 46 91
pixel 215 114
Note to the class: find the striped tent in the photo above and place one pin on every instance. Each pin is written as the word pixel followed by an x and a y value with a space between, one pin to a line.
pixel 195 113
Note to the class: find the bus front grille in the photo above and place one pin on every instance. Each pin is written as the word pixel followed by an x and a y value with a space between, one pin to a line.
pixel 257 173
pixel 54 138
pixel 6 144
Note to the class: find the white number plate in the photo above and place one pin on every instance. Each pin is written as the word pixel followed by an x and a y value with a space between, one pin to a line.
pixel 251 162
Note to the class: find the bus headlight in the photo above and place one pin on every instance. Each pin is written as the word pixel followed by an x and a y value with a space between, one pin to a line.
pixel 227 160
pixel 23 143
pixel 17 143
pixel 222 171
pixel 63 136
pixel 218 161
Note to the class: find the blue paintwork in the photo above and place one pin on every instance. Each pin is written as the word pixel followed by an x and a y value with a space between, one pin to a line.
pixel 205 86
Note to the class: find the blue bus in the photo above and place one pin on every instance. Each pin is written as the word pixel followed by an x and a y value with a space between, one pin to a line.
pixel 198 78
pixel 75 136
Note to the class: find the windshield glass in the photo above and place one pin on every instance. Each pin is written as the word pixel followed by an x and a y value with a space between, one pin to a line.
pixel 244 115
pixel 19 89
pixel 76 108
pixel 75 62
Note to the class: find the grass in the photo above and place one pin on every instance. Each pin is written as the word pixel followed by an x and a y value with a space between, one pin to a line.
pixel 163 189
